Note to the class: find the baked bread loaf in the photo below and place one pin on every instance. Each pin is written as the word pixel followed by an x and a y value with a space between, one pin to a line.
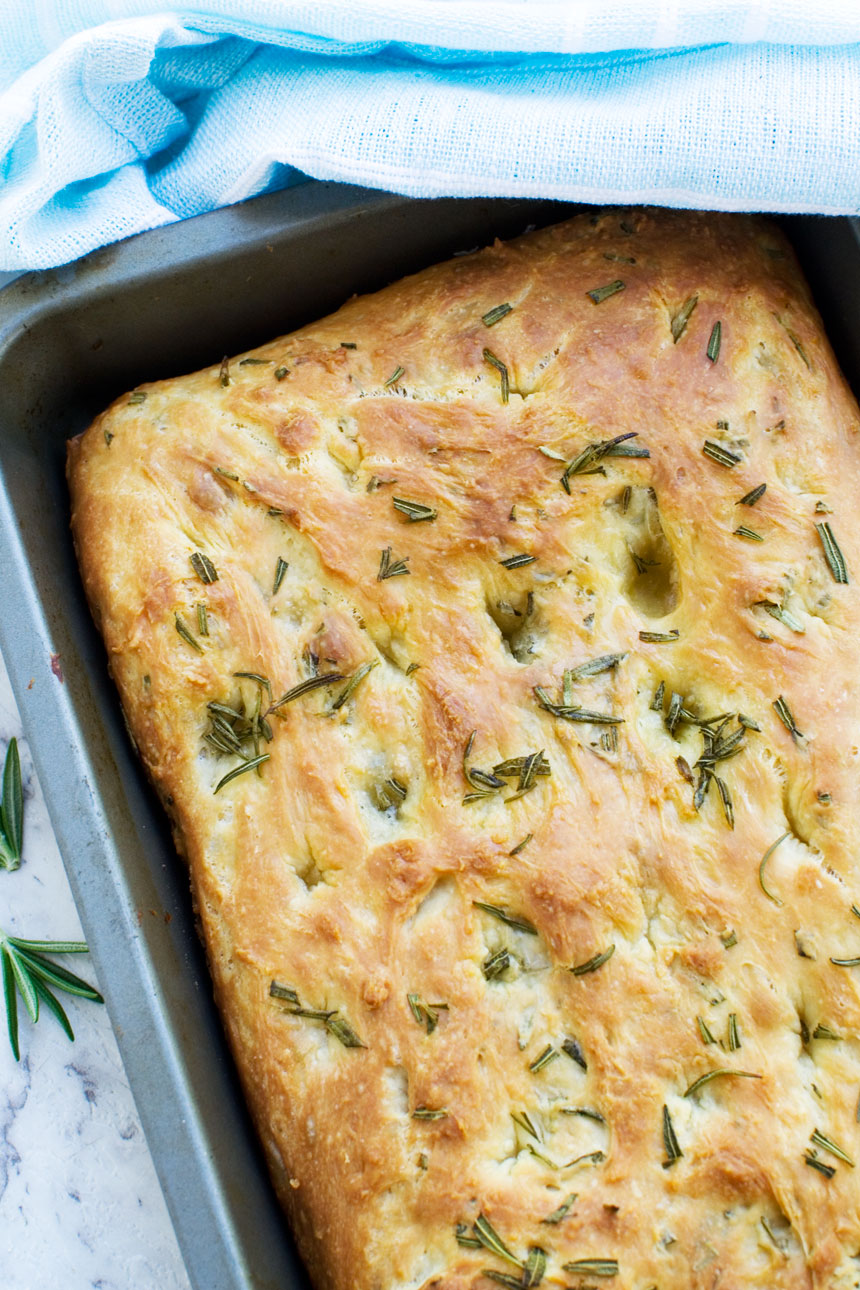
pixel 493 647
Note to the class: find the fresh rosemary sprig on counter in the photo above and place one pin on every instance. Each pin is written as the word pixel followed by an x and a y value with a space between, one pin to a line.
pixel 11 810
pixel 28 972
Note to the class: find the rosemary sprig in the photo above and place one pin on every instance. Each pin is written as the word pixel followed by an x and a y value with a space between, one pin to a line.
pixel 592 964
pixel 720 454
pixel 599 294
pixel 305 687
pixel 11 810
pixel 767 855
pixel 717 1074
pixel 679 321
pixel 415 512
pixel 203 567
pixel 389 568
pixel 707 1037
pixel 750 534
pixel 587 462
pixel 834 557
pixel 754 495
pixel 495 315
pixel 827 1144
pixel 547 1055
pixel 490 357
pixel 713 350
pixel 27 971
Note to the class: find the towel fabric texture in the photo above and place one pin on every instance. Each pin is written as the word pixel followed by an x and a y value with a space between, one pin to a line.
pixel 120 115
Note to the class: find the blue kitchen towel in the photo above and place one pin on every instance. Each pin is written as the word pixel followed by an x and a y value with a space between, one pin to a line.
pixel 120 115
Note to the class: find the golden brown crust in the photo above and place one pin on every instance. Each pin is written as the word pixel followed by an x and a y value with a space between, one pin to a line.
pixel 316 875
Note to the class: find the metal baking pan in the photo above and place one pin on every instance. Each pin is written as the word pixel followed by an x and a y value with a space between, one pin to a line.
pixel 71 340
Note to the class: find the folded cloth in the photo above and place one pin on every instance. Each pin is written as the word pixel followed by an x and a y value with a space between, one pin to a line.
pixel 120 115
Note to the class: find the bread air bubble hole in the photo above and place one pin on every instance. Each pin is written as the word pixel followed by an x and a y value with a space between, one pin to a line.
pixel 515 618
pixel 652 584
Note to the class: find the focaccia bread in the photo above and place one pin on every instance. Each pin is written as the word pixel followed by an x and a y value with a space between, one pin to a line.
pixel 493 647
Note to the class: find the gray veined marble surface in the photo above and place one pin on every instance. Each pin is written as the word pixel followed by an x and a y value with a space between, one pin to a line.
pixel 80 1205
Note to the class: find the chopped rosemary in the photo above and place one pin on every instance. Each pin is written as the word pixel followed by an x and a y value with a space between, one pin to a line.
pixel 717 1074
pixel 515 851
pixel 845 962
pixel 670 1142
pixel 394 377
pixel 599 294
pixel 754 495
pixel 251 764
pixel 462 1237
pixel 482 782
pixel 428 1113
pixel 592 964
pixel 783 711
pixel 656 704
pixel 729 939
pixel 413 667
pixel 495 315
pixel 490 357
pixel 781 614
pixel 280 569
pixel 726 799
pixel 713 350
pixel 390 793
pixel 139 396
pixel 348 344
pixel 660 638
pixel 595 666
pixel 254 362
pixel 593 1267
pixel 679 322
pixel 224 374
pixel 343 1031
pixel 228 474
pixel 389 568
pixel 827 1144
pixel 355 680
pixel 563 1210
pixel 186 634
pixel 281 372
pixel 285 992
pixel 494 965
pixel 814 1163
pixel 574 713
pixel 202 619
pixel 491 1240
pixel 549 1054
pixel 502 1278
pixel 587 462
pixel 684 770
pixel 414 511
pixel 574 1050
pixel 426 1014
pixel 744 532
pixel 767 855
pixel 720 454
pixel 824 1032
pixel 707 1037
pixel 734 1034
pixel 512 920
pixel 832 554
pixel 518 561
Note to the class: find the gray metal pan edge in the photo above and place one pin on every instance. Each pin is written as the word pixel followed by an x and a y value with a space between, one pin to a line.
pixel 70 340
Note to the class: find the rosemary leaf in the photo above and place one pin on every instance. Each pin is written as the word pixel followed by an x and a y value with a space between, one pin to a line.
pixel 549 1054
pixel 496 964
pixel 754 495
pixel 729 939
pixel 305 687
pixel 280 569
pixel 343 1031
pixel 743 532
pixel 518 561
pixel 415 512
pixel 846 962
pixel 502 1278
pixel 202 619
pixel 354 681
pixel 592 964
pixel 593 1267
pixel 491 1240
pixel 682 317
pixel 281 372
pixel 186 634
pixel 783 711
pixel 461 1234
pixel 717 1074
pixel 670 1142
pixel 251 764
pixel 734 1035
pixel 660 638
pixel 707 1037
pixel 563 1210
pixel 224 374
pixel 720 454
pixel 595 666
pixel 389 568
pixel 781 614
pixel 767 855
pixel 490 357
pixel 815 1163
pixel 534 1267
pixel 203 567
pixel 713 350
pixel 824 1032
pixel 512 920
pixel 428 1113
pixel 11 810
pixel 139 396
pixel 827 1144
pixel 285 992
pixel 599 294
pixel 726 799
pixel 515 851
pixel 496 314
pixel 573 1048
pixel 585 1112
pixel 254 362
pixel 832 554
pixel 587 462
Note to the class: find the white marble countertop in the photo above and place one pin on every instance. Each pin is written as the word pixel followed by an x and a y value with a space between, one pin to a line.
pixel 80 1205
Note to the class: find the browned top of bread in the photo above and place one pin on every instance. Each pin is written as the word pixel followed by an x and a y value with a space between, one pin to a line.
pixel 498 980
